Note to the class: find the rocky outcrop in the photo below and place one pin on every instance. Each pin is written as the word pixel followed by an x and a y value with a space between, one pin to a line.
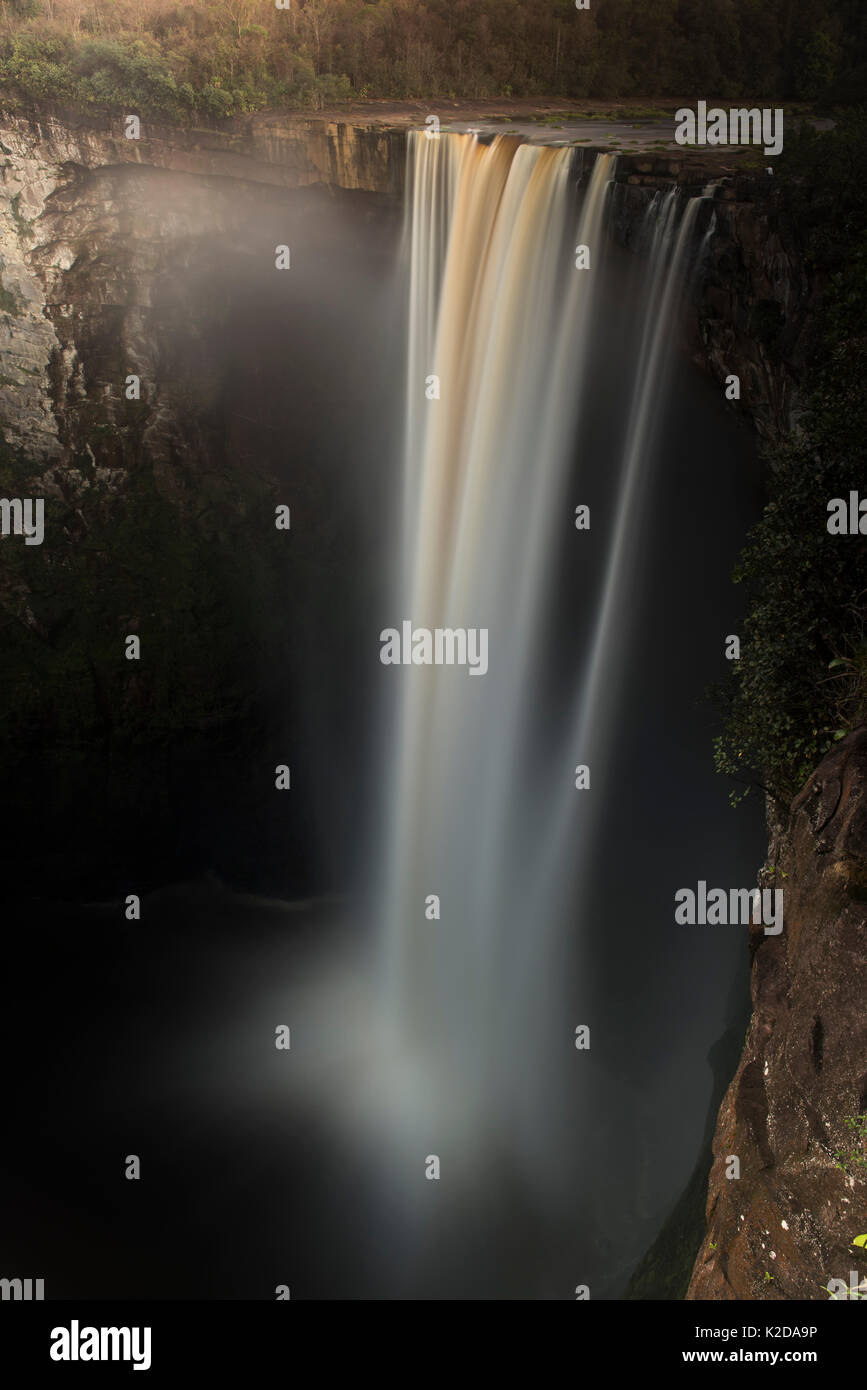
pixel 91 223
pixel 27 337
pixel 753 306
pixel 284 151
pixel 795 1115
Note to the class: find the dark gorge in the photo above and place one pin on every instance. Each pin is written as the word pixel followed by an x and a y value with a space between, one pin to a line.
pixel 375 967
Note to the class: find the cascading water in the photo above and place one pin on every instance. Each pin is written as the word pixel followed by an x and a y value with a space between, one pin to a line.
pixel 501 325
pixel 503 322
pixel 596 706
pixel 532 384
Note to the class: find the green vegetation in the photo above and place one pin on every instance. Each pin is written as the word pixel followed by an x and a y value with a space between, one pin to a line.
pixel 666 1269
pixel 801 681
pixel 855 1157
pixel 216 58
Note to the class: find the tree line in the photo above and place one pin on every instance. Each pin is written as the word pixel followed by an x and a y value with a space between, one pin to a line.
pixel 215 58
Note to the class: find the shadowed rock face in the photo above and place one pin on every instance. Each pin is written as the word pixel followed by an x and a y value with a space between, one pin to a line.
pixel 752 300
pixel 254 385
pixel 753 306
pixel 92 227
pixel 786 1226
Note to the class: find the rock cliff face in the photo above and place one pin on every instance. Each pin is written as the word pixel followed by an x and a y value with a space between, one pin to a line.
pixel 750 298
pixel 753 304
pixel 91 224
pixel 285 151
pixel 795 1115
pixel 157 261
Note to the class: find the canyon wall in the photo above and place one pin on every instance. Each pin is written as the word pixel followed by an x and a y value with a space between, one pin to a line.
pixel 160 496
pixel 91 222
pixel 750 298
pixel 100 238
pixel 795 1115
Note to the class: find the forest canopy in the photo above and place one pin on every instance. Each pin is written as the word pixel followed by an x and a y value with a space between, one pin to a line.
pixel 215 58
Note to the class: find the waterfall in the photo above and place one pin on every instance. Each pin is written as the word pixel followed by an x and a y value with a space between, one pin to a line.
pixel 536 380
pixel 596 706
pixel 500 323
pixel 501 317
pixel 482 810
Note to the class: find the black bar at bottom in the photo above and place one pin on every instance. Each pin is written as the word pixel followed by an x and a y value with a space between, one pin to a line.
pixel 258 1339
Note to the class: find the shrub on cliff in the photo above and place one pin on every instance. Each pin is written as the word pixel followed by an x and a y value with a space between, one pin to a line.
pixel 801 680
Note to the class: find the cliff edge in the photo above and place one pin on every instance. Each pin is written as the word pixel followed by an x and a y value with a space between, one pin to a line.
pixel 794 1115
